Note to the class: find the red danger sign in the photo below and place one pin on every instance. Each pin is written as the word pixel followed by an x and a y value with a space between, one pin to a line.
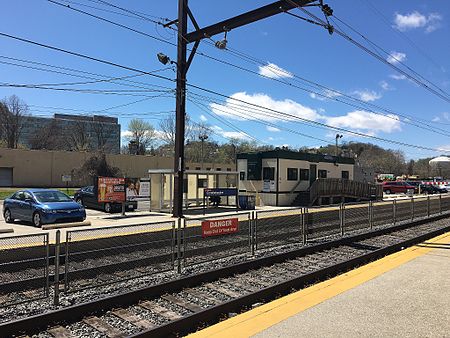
pixel 220 227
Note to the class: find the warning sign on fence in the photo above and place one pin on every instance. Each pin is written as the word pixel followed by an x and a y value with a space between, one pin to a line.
pixel 220 227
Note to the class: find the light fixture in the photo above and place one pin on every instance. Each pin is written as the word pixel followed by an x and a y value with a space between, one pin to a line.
pixel 164 59
pixel 222 44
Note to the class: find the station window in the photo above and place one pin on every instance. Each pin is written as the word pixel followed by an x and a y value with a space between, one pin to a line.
pixel 304 174
pixel 292 174
pixel 202 183
pixel 228 169
pixel 322 173
pixel 242 175
pixel 345 174
pixel 218 169
pixel 269 173
pixel 198 168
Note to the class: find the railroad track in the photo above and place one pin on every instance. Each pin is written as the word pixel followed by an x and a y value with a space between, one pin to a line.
pixel 181 306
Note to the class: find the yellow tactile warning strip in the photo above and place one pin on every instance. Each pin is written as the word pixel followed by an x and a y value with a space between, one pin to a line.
pixel 263 317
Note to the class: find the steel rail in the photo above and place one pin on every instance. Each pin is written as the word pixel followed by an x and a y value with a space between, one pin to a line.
pixel 74 313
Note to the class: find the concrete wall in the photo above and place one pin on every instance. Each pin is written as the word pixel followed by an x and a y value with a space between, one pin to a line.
pixel 41 168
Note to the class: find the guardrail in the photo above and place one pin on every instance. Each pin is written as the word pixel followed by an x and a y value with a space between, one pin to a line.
pixel 104 256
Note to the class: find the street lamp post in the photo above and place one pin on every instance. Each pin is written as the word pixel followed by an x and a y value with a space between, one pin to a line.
pixel 203 138
pixel 338 136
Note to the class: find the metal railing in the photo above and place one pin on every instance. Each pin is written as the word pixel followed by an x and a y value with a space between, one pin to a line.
pixel 104 256
pixel 119 253
pixel 200 246
pixel 24 268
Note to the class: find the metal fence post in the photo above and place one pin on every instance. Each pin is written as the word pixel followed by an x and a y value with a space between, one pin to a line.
pixel 66 263
pixel 394 212
pixel 47 264
pixel 179 236
pixel 304 228
pixel 342 218
pixel 371 214
pixel 440 204
pixel 253 225
pixel 57 256
pixel 428 206
pixel 412 208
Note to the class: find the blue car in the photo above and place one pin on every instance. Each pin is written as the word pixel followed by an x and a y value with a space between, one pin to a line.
pixel 42 206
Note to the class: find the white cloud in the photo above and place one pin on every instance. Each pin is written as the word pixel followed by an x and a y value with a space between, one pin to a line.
pixel 396 57
pixel 203 118
pixel 125 133
pixel 417 20
pixel 367 122
pixel 273 129
pixel 274 72
pixel 230 134
pixel 240 111
pixel 367 95
pixel 397 77
pixel 436 119
pixel 326 94
pixel 385 85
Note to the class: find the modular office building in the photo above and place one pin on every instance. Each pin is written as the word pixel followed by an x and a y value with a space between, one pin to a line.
pixel 278 176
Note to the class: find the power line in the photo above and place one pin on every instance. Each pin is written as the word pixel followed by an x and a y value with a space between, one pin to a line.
pixel 401 34
pixel 365 104
pixel 444 97
pixel 214 92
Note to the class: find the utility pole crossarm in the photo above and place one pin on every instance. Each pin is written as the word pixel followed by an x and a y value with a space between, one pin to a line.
pixel 245 18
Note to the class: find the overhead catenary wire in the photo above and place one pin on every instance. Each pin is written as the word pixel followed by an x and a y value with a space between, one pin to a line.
pixel 406 120
pixel 438 93
pixel 209 91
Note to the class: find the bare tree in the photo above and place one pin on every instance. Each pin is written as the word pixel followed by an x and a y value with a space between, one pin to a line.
pixel 13 117
pixel 100 134
pixel 143 135
pixel 47 137
pixel 78 138
pixel 168 129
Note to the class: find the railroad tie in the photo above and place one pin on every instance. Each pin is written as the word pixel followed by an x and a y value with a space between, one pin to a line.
pixel 103 327
pixel 60 332
pixel 132 318
pixel 183 303
pixel 221 289
pixel 162 311
pixel 196 294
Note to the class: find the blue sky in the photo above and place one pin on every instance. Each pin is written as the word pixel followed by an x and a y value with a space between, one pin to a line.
pixel 413 32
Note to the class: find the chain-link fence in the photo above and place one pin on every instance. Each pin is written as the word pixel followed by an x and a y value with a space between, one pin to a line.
pixel 209 238
pixel 323 223
pixel 420 207
pixel 435 205
pixel 404 210
pixel 103 256
pixel 24 268
pixel 445 203
pixel 356 217
pixel 278 227
pixel 382 213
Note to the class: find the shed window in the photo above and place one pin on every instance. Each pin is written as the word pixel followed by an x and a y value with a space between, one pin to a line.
pixel 269 173
pixel 304 174
pixel 292 174
pixel 345 174
pixel 242 175
pixel 322 173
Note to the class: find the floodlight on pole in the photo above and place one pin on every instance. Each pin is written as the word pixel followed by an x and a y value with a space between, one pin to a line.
pixel 164 59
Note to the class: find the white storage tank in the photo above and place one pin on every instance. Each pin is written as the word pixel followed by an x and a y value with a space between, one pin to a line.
pixel 440 164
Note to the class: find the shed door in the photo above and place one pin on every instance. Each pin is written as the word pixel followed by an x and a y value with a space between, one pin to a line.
pixel 6 177
pixel 312 173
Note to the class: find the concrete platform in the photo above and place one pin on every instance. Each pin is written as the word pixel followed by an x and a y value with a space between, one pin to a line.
pixel 406 294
